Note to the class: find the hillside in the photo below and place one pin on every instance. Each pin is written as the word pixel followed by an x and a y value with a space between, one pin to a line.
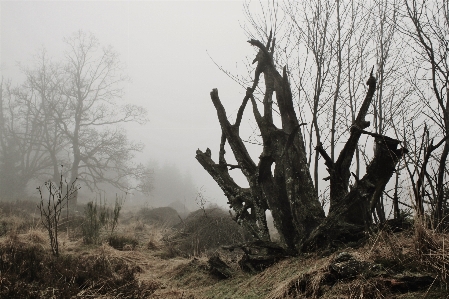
pixel 153 263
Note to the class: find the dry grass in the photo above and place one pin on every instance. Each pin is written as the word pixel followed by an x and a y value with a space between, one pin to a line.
pixel 432 250
pixel 14 223
pixel 204 231
pixel 30 271
pixel 148 271
pixel 37 236
pixel 395 252
pixel 422 250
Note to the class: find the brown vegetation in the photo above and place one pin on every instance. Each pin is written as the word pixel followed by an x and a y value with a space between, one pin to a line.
pixel 205 230
pixel 29 271
pixel 164 216
pixel 158 262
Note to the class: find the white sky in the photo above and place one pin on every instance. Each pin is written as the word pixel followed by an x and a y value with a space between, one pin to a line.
pixel 165 46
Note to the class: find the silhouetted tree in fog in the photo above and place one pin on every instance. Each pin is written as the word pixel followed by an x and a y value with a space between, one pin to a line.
pixel 281 181
pixel 73 116
pixel 22 148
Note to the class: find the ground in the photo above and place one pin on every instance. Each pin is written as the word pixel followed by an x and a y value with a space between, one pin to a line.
pixel 387 265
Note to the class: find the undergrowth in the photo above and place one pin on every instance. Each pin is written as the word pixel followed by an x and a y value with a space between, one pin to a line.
pixel 202 232
pixel 27 271
pixel 122 242
pixel 98 217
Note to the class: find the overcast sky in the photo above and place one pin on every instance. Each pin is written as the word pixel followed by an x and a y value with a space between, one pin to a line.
pixel 165 46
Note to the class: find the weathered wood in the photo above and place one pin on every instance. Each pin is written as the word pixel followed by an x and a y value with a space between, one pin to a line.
pixel 218 268
pixel 258 255
pixel 340 171
pixel 288 191
pixel 239 199
pixel 351 215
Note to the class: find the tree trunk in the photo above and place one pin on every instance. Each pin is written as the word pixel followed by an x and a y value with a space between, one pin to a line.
pixel 73 200
pixel 350 216
pixel 289 191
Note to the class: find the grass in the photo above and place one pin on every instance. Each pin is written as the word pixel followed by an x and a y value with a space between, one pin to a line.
pixel 146 270
pixel 122 242
pixel 30 271
pixel 203 231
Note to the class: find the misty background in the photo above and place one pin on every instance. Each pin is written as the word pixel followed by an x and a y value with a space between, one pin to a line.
pixel 173 53
pixel 168 50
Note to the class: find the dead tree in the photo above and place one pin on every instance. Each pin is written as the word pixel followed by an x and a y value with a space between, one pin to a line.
pixel 288 192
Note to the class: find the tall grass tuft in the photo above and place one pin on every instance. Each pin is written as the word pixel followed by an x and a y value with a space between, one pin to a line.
pixel 98 217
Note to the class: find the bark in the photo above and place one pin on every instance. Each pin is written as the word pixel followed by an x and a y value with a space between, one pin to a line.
pixel 241 200
pixel 350 217
pixel 339 170
pixel 289 192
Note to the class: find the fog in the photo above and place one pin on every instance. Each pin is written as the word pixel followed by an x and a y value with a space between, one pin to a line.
pixel 168 49
pixel 173 54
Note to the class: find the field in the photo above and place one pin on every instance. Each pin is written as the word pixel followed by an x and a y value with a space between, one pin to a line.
pixel 152 253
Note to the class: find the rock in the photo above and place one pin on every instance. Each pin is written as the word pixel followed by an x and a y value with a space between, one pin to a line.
pixel 218 268
pixel 256 263
pixel 346 266
pixel 343 257
pixel 259 255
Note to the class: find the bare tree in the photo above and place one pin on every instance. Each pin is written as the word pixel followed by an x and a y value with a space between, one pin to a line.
pixel 23 155
pixel 427 24
pixel 69 113
pixel 289 192
pixel 359 35
pixel 43 83
pixel 390 89
pixel 88 114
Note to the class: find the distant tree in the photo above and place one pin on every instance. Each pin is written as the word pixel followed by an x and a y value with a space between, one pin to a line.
pixel 43 84
pixel 22 151
pixel 9 159
pixel 88 114
pixel 11 181
pixel 70 115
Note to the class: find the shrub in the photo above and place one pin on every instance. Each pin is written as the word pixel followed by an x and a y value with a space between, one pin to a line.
pixel 164 216
pixel 205 230
pixel 100 216
pixel 58 198
pixel 120 242
pixel 29 272
pixel 91 224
